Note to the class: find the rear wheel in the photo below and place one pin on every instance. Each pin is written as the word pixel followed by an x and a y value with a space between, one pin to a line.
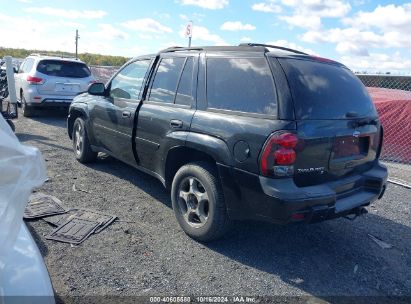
pixel 81 145
pixel 198 202
pixel 25 109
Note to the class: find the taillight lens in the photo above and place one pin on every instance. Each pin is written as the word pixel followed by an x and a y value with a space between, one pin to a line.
pixel 34 80
pixel 284 157
pixel 279 154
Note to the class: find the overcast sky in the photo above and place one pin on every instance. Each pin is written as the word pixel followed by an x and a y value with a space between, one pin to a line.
pixel 363 34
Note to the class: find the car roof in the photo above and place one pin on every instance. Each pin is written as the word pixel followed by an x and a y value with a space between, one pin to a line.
pixel 54 57
pixel 246 48
pixel 270 50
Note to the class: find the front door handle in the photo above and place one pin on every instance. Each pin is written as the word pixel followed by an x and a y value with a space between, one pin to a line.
pixel 126 114
pixel 176 124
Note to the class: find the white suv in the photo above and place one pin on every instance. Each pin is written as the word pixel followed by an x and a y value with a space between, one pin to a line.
pixel 46 81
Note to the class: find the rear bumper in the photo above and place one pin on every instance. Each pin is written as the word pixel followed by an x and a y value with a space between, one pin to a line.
pixel 251 196
pixel 51 103
pixel 36 100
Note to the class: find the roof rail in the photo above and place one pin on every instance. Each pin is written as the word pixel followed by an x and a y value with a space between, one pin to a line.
pixel 180 48
pixel 274 47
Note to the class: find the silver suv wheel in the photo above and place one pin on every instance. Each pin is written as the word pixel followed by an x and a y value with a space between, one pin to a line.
pixel 193 202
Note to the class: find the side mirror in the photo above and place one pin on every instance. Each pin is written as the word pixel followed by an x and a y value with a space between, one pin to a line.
pixel 97 89
pixel 16 70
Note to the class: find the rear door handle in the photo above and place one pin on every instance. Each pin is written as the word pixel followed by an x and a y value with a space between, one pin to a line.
pixel 176 124
pixel 126 114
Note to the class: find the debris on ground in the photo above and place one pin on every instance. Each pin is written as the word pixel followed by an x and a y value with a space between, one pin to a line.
pixel 41 205
pixel 75 189
pixel 74 231
pixel 73 225
pixel 379 242
pixel 103 219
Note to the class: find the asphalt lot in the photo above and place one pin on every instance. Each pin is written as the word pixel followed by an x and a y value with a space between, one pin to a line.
pixel 146 253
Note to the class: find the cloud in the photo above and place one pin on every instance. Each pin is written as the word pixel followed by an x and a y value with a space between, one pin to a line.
pixel 308 13
pixel 110 32
pixel 147 25
pixel 347 47
pixel 358 37
pixel 267 7
pixel 321 8
pixel 209 4
pixel 378 62
pixel 75 25
pixel 202 34
pixel 386 18
pixel 303 21
pixel 237 26
pixel 63 13
pixel 292 45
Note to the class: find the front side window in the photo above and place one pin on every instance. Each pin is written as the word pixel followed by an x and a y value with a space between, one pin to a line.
pixel 128 82
pixel 241 84
pixel 166 79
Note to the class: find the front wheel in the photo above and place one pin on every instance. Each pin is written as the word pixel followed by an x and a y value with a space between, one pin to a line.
pixel 198 202
pixel 81 145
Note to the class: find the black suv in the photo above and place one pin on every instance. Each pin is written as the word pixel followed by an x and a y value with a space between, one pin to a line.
pixel 246 132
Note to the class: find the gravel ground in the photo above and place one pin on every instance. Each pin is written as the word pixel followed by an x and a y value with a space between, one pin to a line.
pixel 146 253
pixel 399 173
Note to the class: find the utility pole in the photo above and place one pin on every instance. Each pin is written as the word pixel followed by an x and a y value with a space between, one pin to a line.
pixel 77 38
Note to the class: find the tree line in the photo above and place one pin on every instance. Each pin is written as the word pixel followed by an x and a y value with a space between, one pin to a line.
pixel 88 58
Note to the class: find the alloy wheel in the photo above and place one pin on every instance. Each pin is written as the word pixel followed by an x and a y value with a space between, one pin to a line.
pixel 193 202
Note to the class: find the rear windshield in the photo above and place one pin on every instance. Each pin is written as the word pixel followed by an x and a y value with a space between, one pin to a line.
pixel 326 91
pixel 61 68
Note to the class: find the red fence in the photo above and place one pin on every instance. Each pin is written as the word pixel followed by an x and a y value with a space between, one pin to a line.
pixel 394 108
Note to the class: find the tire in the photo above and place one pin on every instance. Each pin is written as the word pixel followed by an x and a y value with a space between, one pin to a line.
pixel 11 124
pixel 198 202
pixel 25 109
pixel 81 144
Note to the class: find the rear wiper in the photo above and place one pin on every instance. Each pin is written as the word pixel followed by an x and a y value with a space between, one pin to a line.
pixel 351 114
pixel 363 122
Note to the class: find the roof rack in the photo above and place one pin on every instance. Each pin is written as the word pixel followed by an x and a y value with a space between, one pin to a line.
pixel 274 47
pixel 180 48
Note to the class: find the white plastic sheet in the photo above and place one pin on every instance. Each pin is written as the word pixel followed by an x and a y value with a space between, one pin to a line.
pixel 22 168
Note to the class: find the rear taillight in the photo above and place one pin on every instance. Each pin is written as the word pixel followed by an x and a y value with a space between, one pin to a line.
pixel 278 156
pixel 34 80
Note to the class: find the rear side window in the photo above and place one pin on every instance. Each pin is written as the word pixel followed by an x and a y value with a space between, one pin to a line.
pixel 62 68
pixel 241 84
pixel 326 91
pixel 165 82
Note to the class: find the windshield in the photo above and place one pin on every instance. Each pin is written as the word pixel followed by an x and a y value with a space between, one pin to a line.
pixel 326 91
pixel 62 68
